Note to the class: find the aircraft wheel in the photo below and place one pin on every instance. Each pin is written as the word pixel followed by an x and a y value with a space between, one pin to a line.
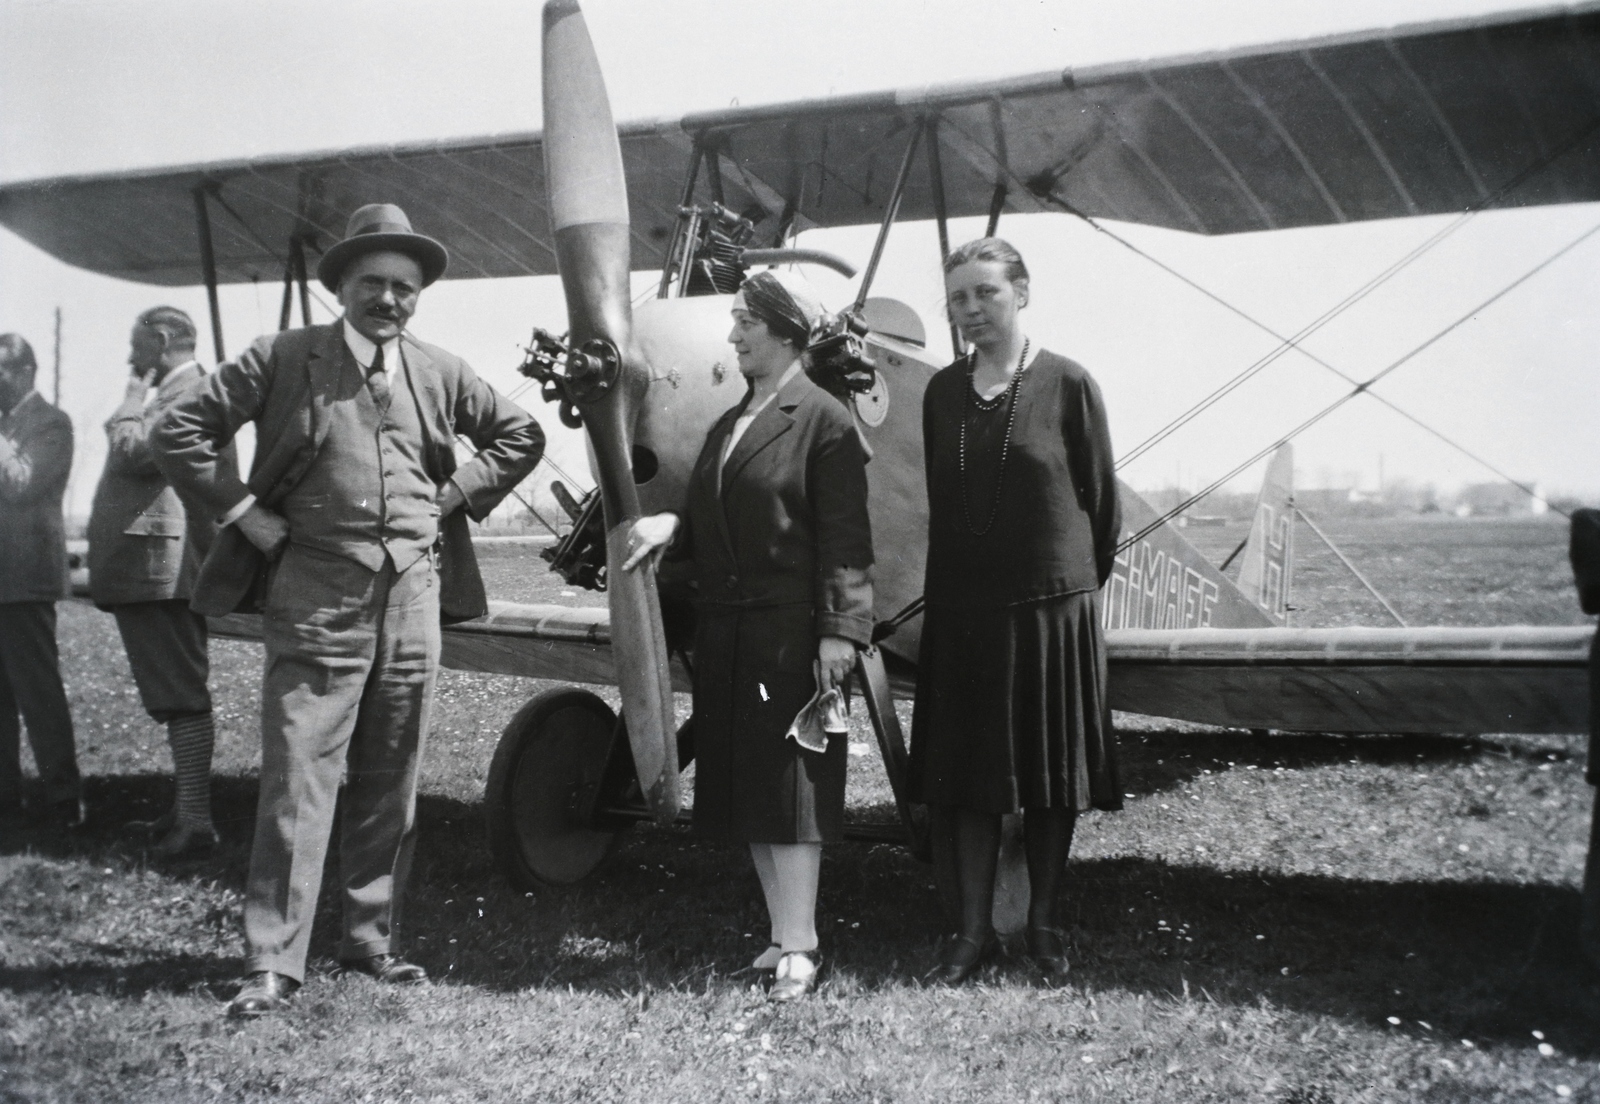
pixel 549 762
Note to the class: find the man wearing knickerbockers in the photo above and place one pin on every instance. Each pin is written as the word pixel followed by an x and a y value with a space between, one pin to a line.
pixel 144 552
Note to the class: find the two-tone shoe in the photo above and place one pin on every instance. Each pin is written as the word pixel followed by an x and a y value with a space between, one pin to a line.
pixel 795 977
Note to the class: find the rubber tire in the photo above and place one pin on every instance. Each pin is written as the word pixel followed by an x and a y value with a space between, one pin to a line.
pixel 559 740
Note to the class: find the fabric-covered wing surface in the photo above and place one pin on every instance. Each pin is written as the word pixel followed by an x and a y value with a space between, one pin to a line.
pixel 1503 111
pixel 1496 679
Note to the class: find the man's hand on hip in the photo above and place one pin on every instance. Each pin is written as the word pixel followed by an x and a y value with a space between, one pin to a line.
pixel 264 529
pixel 450 498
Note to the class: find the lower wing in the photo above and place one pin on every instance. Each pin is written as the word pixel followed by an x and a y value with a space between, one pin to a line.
pixel 1466 680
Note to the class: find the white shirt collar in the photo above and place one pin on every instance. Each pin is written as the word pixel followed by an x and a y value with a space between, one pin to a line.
pixel 364 349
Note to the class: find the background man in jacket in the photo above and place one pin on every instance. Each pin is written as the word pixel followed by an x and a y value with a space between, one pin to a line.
pixel 144 553
pixel 353 481
pixel 35 459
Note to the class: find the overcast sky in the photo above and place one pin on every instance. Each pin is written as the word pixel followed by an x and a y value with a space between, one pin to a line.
pixel 103 85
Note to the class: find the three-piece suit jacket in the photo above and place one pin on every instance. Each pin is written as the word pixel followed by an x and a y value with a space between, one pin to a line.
pixel 284 383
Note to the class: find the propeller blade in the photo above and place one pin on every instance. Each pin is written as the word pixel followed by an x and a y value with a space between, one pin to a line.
pixel 589 212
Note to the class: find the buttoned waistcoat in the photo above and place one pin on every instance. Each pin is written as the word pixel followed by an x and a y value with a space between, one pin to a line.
pixel 284 383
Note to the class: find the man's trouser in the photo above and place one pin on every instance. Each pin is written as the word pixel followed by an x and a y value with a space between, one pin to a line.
pixel 30 683
pixel 352 657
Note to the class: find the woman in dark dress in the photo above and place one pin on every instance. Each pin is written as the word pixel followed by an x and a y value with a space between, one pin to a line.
pixel 1011 710
pixel 776 526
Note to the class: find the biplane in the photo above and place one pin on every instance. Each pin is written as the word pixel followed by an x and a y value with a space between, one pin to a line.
pixel 1442 118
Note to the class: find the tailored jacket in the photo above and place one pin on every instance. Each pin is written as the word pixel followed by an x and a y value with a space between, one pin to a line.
pixel 784 523
pixel 143 545
pixel 284 382
pixel 35 459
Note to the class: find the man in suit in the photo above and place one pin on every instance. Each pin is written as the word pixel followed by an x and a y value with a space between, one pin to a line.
pixel 144 553
pixel 353 483
pixel 35 458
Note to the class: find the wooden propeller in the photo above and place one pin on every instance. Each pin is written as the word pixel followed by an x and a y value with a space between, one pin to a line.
pixel 589 212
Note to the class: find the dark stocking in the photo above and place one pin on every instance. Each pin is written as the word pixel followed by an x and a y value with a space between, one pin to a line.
pixel 977 853
pixel 1047 839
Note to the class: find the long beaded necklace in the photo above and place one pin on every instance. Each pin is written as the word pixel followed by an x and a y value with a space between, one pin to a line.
pixel 1005 442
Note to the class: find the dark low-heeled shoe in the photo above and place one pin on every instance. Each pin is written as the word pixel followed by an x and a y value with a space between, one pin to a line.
pixel 261 993
pixel 1048 949
pixel 960 959
pixel 387 968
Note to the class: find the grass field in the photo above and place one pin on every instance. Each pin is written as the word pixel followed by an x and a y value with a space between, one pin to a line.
pixel 1285 919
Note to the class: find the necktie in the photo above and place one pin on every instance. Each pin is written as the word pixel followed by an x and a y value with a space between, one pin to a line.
pixel 378 380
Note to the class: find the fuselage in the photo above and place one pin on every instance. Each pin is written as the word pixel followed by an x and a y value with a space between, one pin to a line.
pixel 1160 581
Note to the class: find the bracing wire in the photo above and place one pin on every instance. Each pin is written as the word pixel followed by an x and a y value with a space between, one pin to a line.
pixel 1360 388
pixel 248 229
pixel 1293 342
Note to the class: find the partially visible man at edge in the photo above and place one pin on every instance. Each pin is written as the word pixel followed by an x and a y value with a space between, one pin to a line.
pixel 353 483
pixel 35 459
pixel 144 553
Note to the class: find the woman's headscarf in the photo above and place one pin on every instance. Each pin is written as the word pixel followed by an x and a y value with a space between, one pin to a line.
pixel 784 301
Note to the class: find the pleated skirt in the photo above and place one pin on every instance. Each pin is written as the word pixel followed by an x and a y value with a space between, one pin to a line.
pixel 1011 709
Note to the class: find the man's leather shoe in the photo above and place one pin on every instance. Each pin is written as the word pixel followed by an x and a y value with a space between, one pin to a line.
pixel 387 968
pixel 186 841
pixel 961 959
pixel 261 993
pixel 69 813
pixel 1048 949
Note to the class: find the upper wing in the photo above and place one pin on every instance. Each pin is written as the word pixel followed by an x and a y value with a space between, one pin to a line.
pixel 1500 111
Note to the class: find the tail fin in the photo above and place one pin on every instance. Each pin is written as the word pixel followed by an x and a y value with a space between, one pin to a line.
pixel 1268 563
pixel 1164 582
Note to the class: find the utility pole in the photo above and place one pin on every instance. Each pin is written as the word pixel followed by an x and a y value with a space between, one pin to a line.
pixel 58 356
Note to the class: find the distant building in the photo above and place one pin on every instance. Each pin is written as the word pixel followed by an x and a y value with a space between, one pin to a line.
pixel 1498 500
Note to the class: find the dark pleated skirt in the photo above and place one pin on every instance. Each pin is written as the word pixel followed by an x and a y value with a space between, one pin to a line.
pixel 1011 709
pixel 752 674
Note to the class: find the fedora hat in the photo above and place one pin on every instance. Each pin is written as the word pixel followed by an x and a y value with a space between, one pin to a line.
pixel 381 226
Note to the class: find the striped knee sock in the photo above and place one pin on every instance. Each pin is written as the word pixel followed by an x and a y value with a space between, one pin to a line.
pixel 192 739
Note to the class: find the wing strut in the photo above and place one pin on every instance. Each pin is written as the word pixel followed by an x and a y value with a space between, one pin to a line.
pixel 287 305
pixel 294 271
pixel 936 181
pixel 997 203
pixel 208 262
pixel 890 212
pixel 675 263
